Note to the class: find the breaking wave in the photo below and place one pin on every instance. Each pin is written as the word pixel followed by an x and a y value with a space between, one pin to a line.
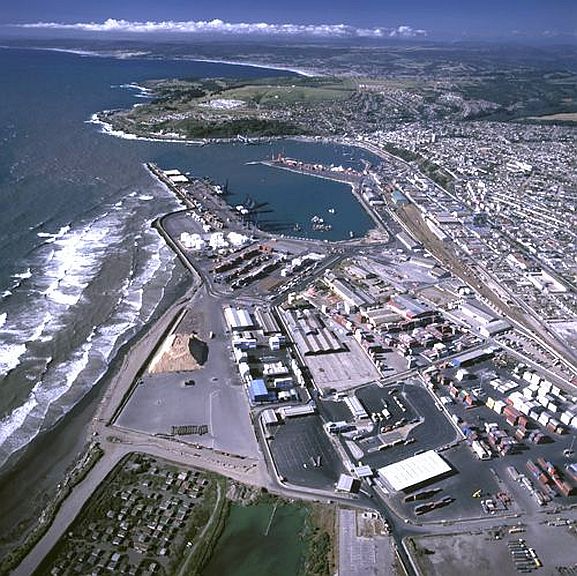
pixel 86 292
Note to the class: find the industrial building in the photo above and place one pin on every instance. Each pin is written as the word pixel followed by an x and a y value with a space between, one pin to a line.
pixel 493 328
pixel 472 357
pixel 176 177
pixel 357 409
pixel 399 198
pixel 414 471
pixel 258 392
pixel 347 484
pixel 382 316
pixel 238 319
pixel 408 241
pixel 270 418
pixel 410 308
pixel 353 298
pixel 266 321
pixel 473 309
pixel 296 411
pixel 310 334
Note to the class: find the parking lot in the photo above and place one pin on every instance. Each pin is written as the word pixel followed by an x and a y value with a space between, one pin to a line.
pixel 476 553
pixel 432 428
pixel 361 556
pixel 304 455
pixel 213 397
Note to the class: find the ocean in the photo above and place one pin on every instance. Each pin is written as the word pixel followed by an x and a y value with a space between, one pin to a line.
pixel 81 269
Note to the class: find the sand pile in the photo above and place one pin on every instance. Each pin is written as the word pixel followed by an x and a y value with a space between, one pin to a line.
pixel 179 353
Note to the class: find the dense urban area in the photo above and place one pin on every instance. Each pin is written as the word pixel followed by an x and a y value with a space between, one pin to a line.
pixel 405 402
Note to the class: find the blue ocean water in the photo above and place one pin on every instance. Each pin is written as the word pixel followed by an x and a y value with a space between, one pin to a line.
pixel 80 268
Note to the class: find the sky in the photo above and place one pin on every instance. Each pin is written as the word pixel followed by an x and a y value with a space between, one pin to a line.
pixel 450 19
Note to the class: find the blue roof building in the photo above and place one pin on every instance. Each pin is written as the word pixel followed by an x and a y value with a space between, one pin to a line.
pixel 399 198
pixel 258 392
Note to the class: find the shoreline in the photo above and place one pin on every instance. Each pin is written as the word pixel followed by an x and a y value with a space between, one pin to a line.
pixel 127 55
pixel 54 451
pixel 298 71
pixel 108 129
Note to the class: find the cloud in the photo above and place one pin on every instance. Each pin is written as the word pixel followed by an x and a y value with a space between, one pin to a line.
pixel 406 32
pixel 239 28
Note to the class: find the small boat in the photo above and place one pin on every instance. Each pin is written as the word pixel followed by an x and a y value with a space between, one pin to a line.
pixel 331 210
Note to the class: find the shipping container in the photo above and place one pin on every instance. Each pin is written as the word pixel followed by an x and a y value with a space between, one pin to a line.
pixel 525 408
pixel 533 469
pixel 564 487
pixel 544 418
pixel 535 413
pixel 498 407
pixel 515 474
pixel 520 433
pixel 566 417
pixel 572 471
pixel 556 391
pixel 523 421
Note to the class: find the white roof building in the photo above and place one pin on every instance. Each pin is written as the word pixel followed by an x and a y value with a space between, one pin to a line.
pixel 414 470
pixel 346 483
pixel 295 411
pixel 238 318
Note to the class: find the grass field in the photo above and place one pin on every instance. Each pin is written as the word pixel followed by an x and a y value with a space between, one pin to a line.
pixel 286 95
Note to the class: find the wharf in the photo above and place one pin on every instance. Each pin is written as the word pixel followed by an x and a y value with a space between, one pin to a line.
pixel 347 176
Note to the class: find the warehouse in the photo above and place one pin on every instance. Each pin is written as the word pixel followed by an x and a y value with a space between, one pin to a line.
pixel 296 411
pixel 347 484
pixel 473 309
pixel 356 408
pixel 353 297
pixel 267 321
pixel 494 327
pixel 414 471
pixel 310 334
pixel 382 316
pixel 469 358
pixel 176 177
pixel 270 418
pixel 324 342
pixel 258 392
pixel 399 198
pixel 410 308
pixel 237 319
pixel 408 241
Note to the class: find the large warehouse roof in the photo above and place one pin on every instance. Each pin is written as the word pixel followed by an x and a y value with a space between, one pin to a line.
pixel 237 318
pixel 415 470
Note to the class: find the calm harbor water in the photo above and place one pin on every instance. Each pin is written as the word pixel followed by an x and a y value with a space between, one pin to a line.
pixel 260 539
pixel 81 270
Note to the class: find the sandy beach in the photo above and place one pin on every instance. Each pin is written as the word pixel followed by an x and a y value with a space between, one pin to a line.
pixel 300 72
